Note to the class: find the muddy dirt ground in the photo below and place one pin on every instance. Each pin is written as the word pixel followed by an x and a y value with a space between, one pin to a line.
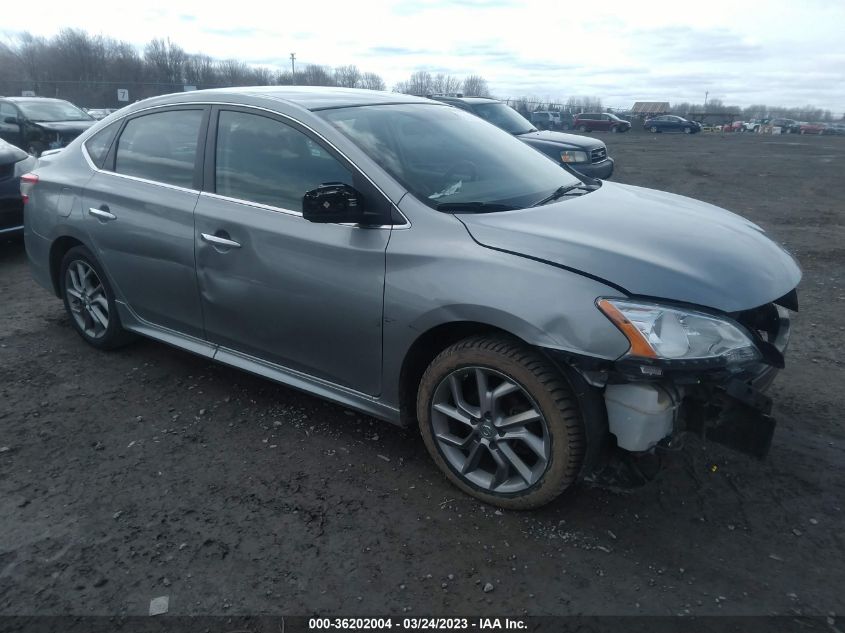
pixel 150 472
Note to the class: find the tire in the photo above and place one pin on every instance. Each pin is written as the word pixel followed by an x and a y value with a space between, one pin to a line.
pixel 85 305
pixel 653 129
pixel 614 130
pixel 545 466
pixel 687 130
pixel 582 128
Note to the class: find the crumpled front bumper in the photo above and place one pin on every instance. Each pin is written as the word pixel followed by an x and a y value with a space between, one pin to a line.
pixel 736 412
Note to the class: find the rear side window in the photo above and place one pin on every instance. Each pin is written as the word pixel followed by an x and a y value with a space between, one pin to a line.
pixel 98 145
pixel 262 160
pixel 160 147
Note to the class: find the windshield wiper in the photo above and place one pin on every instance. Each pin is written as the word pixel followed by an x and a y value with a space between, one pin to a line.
pixel 474 207
pixel 559 193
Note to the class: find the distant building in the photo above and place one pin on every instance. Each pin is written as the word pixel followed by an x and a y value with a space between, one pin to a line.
pixel 650 108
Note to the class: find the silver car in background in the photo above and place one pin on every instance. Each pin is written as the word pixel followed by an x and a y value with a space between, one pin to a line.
pixel 413 262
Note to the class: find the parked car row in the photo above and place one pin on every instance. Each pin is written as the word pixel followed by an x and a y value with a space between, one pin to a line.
pixel 671 123
pixel 408 260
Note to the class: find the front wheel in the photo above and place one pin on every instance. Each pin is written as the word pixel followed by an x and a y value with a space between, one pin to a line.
pixel 614 130
pixel 582 128
pixel 653 129
pixel 501 422
pixel 687 130
pixel 89 300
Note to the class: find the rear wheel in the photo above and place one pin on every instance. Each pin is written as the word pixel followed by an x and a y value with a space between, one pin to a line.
pixel 89 300
pixel 501 422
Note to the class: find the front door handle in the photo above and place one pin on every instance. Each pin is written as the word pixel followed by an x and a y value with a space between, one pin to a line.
pixel 220 241
pixel 102 213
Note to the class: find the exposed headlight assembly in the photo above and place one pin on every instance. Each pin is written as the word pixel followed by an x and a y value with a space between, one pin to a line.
pixel 573 156
pixel 672 334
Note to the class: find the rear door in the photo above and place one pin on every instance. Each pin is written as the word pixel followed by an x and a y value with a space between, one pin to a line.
pixel 139 213
pixel 275 286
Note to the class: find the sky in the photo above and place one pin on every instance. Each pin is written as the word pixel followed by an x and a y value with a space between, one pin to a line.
pixel 777 52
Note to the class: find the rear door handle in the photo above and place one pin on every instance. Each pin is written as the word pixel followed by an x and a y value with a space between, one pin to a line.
pixel 220 241
pixel 102 213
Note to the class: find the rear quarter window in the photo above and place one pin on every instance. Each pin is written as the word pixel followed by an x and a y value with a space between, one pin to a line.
pixel 98 145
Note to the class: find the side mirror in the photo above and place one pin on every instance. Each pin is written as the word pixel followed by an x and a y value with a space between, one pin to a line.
pixel 11 120
pixel 333 202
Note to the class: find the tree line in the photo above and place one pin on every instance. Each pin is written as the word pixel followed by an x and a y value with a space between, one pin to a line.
pixel 88 69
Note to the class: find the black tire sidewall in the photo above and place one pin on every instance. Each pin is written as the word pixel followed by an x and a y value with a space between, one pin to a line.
pixel 559 472
pixel 114 335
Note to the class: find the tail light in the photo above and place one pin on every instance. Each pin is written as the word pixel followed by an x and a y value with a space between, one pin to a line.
pixel 28 181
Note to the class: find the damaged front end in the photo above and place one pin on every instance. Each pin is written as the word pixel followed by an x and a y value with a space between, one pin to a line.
pixel 694 371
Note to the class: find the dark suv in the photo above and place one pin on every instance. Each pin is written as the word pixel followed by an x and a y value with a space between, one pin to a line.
pixel 586 156
pixel 604 121
pixel 36 124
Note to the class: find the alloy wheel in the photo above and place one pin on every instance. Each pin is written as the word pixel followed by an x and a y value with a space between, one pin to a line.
pixel 87 299
pixel 489 430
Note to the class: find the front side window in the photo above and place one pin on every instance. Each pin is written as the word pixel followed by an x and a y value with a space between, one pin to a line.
pixel 160 147
pixel 263 160
pixel 99 144
pixel 445 156
pixel 505 117
pixel 7 110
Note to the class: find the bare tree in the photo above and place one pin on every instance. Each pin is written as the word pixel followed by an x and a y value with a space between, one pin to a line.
pixel 372 81
pixel 200 70
pixel 347 76
pixel 167 61
pixel 476 86
pixel 584 104
pixel 316 75
pixel 445 84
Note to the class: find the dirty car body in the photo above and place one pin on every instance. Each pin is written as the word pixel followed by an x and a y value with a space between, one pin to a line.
pixel 405 259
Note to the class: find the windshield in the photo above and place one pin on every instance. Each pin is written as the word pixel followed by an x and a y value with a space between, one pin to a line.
pixel 446 156
pixel 51 111
pixel 503 116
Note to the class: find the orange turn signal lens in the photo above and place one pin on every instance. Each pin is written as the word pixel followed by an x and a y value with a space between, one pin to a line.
pixel 639 344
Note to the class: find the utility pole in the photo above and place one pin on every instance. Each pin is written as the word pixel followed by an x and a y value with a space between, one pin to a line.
pixel 292 68
pixel 706 94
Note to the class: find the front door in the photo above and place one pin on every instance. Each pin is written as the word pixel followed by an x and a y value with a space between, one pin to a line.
pixel 306 296
pixel 139 212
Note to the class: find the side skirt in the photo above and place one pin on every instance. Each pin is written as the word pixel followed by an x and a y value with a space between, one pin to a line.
pixel 277 373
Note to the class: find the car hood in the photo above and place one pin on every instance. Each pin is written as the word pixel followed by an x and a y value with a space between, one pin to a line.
pixel 561 138
pixel 648 243
pixel 64 126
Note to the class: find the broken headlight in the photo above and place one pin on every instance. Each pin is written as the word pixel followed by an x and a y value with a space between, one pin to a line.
pixel 666 333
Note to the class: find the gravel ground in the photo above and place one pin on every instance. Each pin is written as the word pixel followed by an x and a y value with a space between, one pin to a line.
pixel 150 472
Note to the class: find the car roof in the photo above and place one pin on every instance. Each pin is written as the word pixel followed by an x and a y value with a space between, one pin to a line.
pixel 469 100
pixel 308 97
pixel 32 99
